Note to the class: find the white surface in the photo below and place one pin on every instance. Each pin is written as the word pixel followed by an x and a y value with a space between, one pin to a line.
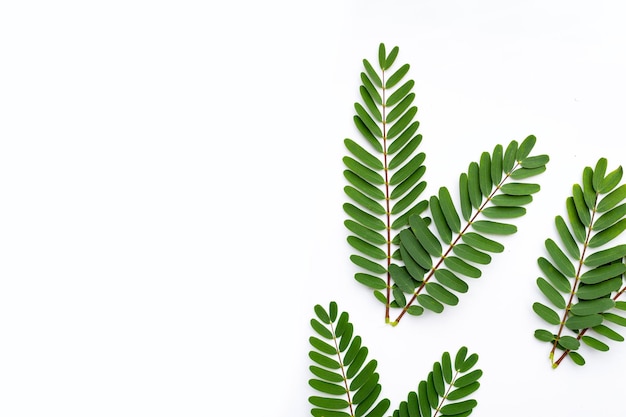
pixel 171 186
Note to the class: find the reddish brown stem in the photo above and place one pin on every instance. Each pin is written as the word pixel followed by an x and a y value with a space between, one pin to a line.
pixel 447 252
pixel 387 197
pixel 582 333
pixel 572 293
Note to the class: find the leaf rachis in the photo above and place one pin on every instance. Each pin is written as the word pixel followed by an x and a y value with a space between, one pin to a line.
pixel 439 263
pixel 385 121
pixel 573 293
pixel 595 284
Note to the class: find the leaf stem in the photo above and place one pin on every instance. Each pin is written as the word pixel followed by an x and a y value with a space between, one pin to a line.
pixel 456 240
pixel 343 369
pixel 445 396
pixel 573 293
pixel 387 195
pixel 581 334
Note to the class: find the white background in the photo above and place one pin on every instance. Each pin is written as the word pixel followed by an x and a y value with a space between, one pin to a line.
pixel 171 188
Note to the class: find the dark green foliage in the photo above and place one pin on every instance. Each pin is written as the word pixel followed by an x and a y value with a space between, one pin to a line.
pixel 345 379
pixel 347 384
pixel 405 243
pixel 447 389
pixel 384 170
pixel 584 269
pixel 449 250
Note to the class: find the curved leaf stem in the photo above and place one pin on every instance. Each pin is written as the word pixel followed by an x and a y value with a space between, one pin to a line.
pixel 456 240
pixel 573 293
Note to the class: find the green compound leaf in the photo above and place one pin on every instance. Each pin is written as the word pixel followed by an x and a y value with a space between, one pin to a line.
pixel 334 389
pixel 383 169
pixel 584 276
pixel 458 240
pixel 445 392
pixel 346 382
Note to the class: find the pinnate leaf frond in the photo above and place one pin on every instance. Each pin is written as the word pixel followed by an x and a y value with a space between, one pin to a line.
pixel 583 269
pixel 458 239
pixel 384 170
pixel 346 382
